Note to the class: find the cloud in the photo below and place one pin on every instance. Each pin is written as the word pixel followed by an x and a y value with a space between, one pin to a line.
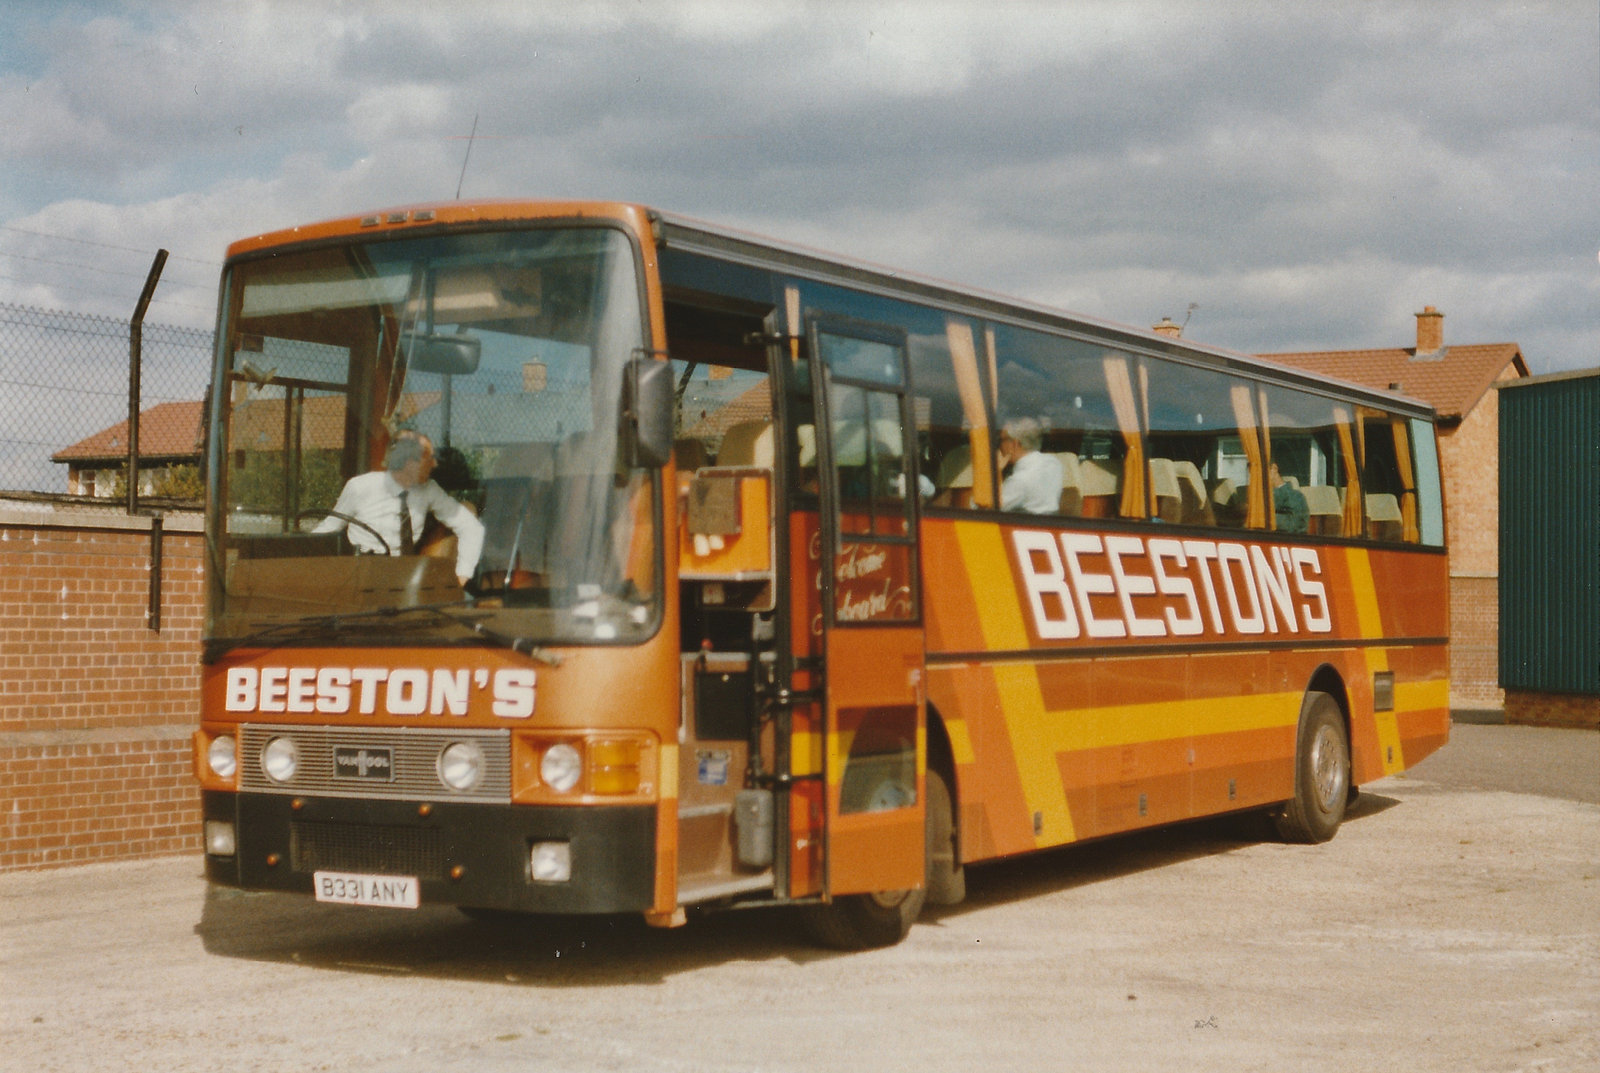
pixel 1309 175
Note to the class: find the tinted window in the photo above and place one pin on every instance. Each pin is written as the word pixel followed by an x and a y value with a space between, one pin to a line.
pixel 1207 454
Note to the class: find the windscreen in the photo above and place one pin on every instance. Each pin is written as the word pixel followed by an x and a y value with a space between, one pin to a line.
pixel 418 441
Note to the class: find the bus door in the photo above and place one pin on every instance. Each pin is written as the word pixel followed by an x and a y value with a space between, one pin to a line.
pixel 871 620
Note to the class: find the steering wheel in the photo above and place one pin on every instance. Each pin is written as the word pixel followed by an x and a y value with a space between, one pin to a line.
pixel 318 512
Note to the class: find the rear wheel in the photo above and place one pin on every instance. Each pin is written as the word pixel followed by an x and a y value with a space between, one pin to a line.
pixel 1321 774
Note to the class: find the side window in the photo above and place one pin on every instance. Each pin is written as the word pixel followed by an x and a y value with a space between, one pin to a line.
pixel 1311 446
pixel 1388 478
pixel 866 433
pixel 1208 462
pixel 1430 497
pixel 723 416
pixel 952 421
pixel 860 380
pixel 1069 438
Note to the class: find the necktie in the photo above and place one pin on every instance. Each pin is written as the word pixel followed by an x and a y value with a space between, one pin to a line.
pixel 408 540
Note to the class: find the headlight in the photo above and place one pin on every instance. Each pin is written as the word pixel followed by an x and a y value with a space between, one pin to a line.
pixel 223 756
pixel 280 759
pixel 561 767
pixel 461 765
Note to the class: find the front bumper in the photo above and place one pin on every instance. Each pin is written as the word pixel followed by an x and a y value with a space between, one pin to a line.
pixel 473 855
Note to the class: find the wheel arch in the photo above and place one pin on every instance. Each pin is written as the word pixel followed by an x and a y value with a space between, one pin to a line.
pixel 946 876
pixel 1327 679
pixel 942 757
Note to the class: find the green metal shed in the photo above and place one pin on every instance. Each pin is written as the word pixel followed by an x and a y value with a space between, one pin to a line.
pixel 1550 533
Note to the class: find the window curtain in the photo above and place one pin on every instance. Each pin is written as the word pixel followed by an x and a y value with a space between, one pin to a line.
pixel 964 354
pixel 1271 516
pixel 791 305
pixel 1352 523
pixel 1249 438
pixel 1408 482
pixel 1119 384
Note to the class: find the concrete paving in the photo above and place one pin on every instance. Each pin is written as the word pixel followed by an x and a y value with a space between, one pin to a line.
pixel 1453 924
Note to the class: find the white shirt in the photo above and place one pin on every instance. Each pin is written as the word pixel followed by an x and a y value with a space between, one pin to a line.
pixel 1034 485
pixel 374 499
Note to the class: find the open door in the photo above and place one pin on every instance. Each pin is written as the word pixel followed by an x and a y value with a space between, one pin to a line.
pixel 874 749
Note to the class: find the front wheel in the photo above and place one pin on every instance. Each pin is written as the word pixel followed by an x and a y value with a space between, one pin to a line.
pixel 1321 774
pixel 863 921
pixel 947 879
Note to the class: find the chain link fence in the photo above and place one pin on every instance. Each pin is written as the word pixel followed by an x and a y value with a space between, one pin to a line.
pixel 64 405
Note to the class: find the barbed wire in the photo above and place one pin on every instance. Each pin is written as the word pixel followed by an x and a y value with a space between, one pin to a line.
pixel 104 245
pixel 33 257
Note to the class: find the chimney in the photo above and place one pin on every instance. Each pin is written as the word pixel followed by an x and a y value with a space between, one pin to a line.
pixel 1167 328
pixel 1430 331
pixel 535 375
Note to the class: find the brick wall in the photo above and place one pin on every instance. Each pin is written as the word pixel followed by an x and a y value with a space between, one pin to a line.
pixel 1469 462
pixel 1553 709
pixel 96 709
pixel 1475 643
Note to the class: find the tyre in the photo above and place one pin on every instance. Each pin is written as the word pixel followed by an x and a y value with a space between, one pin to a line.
pixel 883 918
pixel 1321 774
pixel 947 879
pixel 863 921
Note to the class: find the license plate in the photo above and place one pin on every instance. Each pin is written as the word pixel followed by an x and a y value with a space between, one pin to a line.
pixel 349 888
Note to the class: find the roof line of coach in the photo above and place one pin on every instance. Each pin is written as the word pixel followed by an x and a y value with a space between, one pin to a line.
pixel 760 251
pixel 680 231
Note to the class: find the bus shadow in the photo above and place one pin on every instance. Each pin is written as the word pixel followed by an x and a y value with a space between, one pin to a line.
pixel 515 949
pixel 606 951
pixel 1108 859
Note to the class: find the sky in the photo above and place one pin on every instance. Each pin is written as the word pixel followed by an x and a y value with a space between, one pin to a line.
pixel 1278 176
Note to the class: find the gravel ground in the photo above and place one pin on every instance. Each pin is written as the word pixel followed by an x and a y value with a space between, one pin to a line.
pixel 1452 925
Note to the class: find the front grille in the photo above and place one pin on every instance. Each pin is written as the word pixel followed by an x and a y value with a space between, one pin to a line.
pixel 370 848
pixel 412 752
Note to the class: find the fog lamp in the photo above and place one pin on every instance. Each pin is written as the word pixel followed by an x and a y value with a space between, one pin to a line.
pixel 550 862
pixel 219 839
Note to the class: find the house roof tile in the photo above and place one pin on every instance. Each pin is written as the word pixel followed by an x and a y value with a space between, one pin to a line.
pixel 166 430
pixel 1452 380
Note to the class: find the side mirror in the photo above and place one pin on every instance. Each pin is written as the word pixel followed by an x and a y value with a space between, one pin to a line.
pixel 451 355
pixel 647 403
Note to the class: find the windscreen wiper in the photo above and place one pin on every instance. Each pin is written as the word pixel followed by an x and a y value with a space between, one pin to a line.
pixel 316 624
pixel 332 624
pixel 525 645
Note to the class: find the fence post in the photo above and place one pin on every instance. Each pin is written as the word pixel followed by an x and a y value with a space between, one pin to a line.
pixel 135 350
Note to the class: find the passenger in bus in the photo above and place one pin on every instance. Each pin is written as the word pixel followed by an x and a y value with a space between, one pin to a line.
pixel 1288 503
pixel 1034 483
pixel 395 502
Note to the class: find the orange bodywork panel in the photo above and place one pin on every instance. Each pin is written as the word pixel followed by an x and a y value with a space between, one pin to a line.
pixel 618 704
pixel 1092 683
pixel 457 213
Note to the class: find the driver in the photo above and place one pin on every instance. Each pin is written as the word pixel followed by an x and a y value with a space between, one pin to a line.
pixel 394 502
